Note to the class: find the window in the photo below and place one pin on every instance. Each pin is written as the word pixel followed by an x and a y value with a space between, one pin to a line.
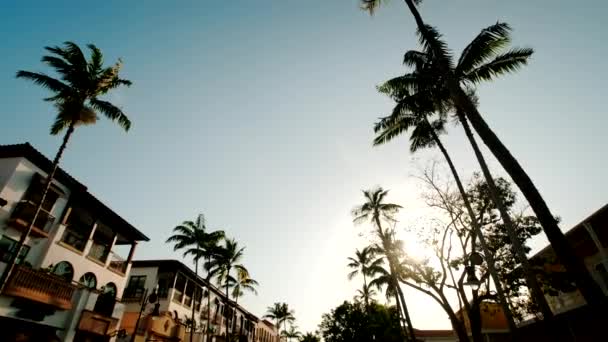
pixel 64 270
pixel 110 290
pixel 8 247
pixel 136 286
pixel 35 190
pixel 88 280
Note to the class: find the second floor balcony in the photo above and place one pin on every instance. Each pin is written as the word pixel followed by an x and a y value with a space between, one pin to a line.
pixel 22 217
pixel 40 286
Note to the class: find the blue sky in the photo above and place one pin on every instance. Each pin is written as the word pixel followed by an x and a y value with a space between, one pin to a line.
pixel 260 117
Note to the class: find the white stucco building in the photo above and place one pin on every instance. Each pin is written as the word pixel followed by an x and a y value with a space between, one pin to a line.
pixel 75 262
pixel 178 289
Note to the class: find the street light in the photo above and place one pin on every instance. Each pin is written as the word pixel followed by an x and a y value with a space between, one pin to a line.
pixel 472 279
pixel 152 299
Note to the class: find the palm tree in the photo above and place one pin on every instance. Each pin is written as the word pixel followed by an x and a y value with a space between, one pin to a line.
pixel 376 210
pixel 281 314
pixel 450 79
pixel 228 259
pixel 366 294
pixel 381 277
pixel 425 134
pixel 363 261
pixel 242 283
pixel 76 96
pixel 193 238
pixel 310 337
pixel 291 333
pixel 488 45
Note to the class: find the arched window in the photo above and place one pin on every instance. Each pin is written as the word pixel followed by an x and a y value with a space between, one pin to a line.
pixel 110 290
pixel 88 280
pixel 64 270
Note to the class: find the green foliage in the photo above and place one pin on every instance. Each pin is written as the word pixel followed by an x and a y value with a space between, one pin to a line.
pixel 192 238
pixel 351 322
pixel 81 83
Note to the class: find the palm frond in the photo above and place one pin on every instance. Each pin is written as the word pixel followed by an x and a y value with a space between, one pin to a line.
pixel 415 59
pixel 111 112
pixel 505 63
pixel 434 46
pixel 486 45
pixel 44 81
pixel 96 64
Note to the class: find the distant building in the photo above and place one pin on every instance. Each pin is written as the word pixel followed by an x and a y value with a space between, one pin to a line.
pixel 69 272
pixel 178 289
pixel 435 336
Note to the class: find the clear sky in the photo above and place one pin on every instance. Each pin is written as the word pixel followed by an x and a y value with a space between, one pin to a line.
pixel 259 113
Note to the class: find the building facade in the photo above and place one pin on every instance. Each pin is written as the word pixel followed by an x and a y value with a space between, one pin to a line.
pixel 589 239
pixel 177 292
pixel 75 262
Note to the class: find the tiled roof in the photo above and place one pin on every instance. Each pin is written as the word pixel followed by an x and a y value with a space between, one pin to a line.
pixel 37 158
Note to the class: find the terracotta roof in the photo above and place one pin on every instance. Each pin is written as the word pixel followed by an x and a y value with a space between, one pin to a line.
pixel 28 152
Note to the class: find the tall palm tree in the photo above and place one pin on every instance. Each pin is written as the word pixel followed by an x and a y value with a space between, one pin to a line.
pixel 363 261
pixel 291 333
pixel 76 95
pixel 227 260
pixel 425 134
pixel 243 282
pixel 488 45
pixel 433 43
pixel 192 238
pixel 375 210
pixel 281 314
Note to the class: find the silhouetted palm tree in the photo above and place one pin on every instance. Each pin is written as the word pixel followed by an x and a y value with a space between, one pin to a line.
pixel 483 56
pixel 281 314
pixel 291 333
pixel 376 210
pixel 77 97
pixel 243 282
pixel 412 114
pixel 361 263
pixel 227 259
pixel 310 337
pixel 193 238
pixel 449 80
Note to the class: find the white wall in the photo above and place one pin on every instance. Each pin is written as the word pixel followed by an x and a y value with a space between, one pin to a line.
pixel 13 191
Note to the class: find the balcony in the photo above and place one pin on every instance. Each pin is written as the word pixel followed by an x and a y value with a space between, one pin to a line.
pixel 23 214
pixel 40 287
pixel 117 263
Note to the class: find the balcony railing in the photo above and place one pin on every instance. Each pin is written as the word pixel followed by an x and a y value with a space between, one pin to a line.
pixel 24 213
pixel 40 287
pixel 117 263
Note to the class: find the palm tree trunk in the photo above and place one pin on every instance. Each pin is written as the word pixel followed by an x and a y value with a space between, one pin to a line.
pixel 366 294
pixel 193 324
pixel 208 331
pixel 531 280
pixel 478 232
pixel 411 333
pixel 391 264
pixel 227 306
pixel 574 265
pixel 47 186
pixel 399 314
